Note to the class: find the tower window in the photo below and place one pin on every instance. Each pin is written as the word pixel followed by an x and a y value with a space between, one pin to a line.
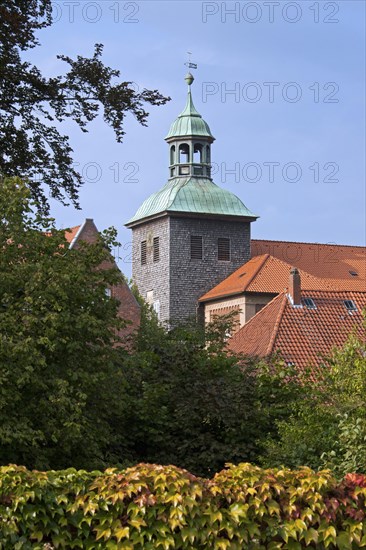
pixel 223 249
pixel 196 247
pixel 150 297
pixel 156 308
pixel 197 153
pixel 208 154
pixel 156 251
pixel 183 153
pixel 172 154
pixel 143 252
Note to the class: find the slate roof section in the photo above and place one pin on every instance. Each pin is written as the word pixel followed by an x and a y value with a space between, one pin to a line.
pixel 192 195
pixel 303 336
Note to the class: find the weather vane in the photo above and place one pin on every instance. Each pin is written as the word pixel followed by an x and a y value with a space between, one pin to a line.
pixel 189 64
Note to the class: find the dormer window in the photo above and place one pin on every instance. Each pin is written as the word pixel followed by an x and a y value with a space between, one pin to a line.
pixel 309 303
pixel 350 305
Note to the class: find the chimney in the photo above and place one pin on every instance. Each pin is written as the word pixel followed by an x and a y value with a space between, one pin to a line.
pixel 294 288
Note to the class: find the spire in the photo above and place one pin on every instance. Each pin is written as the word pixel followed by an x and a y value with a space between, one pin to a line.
pixel 189 122
pixel 190 188
pixel 189 109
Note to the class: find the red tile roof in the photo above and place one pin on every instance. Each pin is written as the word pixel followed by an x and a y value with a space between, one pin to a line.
pixel 71 233
pixel 326 261
pixel 322 267
pixel 302 335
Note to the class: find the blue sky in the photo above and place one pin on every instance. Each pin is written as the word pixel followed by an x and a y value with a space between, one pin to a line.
pixel 290 137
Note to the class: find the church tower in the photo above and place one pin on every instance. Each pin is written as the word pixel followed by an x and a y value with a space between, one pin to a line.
pixel 191 234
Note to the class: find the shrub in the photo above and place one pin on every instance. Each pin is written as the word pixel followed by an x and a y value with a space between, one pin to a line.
pixel 150 506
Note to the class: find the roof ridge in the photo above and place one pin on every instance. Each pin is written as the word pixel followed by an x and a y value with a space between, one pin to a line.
pixel 283 296
pixel 287 264
pixel 309 242
pixel 332 290
pixel 255 316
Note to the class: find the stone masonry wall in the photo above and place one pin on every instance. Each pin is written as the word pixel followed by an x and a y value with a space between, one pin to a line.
pixel 154 276
pixel 189 279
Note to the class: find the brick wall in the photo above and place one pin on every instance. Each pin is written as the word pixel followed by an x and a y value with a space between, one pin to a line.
pixel 153 276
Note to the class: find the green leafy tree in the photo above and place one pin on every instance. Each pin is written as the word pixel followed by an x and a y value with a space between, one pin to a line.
pixel 61 392
pixel 32 106
pixel 192 402
pixel 326 426
pixel 347 394
pixel 278 391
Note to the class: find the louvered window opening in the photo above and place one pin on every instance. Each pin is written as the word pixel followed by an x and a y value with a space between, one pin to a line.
pixel 143 253
pixel 156 251
pixel 196 247
pixel 223 249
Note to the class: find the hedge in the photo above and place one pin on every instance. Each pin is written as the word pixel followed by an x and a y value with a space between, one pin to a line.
pixel 151 507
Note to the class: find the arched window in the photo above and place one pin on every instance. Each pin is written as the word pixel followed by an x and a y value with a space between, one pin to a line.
pixel 197 153
pixel 172 154
pixel 208 154
pixel 183 153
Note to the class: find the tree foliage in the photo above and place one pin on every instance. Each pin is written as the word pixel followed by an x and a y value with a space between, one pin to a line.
pixel 326 426
pixel 32 106
pixel 193 405
pixel 70 394
pixel 60 385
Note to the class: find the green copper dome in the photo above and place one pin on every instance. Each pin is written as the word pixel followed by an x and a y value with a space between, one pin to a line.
pixel 189 122
pixel 192 195
pixel 190 189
